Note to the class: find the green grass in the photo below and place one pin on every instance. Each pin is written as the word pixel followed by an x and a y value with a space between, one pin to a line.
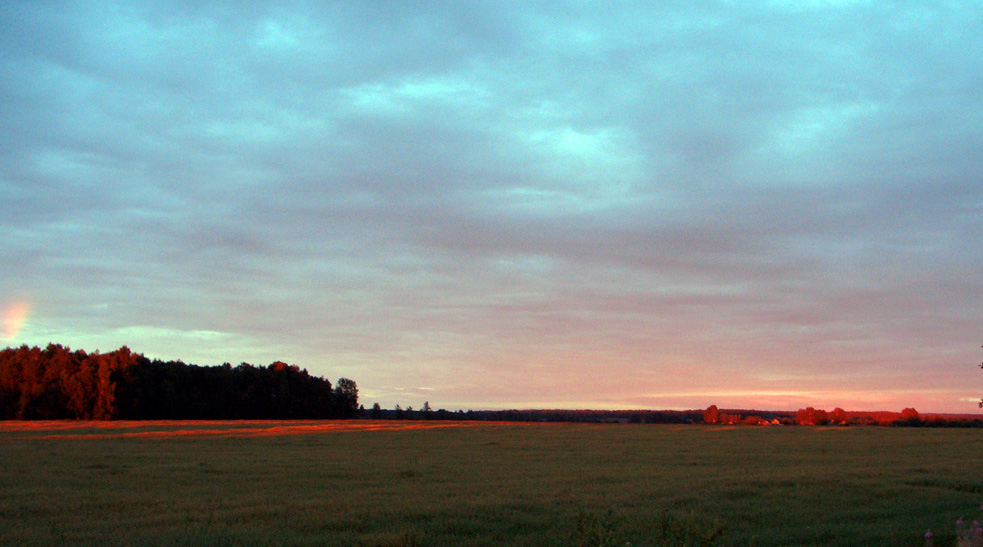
pixel 532 485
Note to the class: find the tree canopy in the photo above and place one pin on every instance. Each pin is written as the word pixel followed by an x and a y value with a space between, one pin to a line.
pixel 58 383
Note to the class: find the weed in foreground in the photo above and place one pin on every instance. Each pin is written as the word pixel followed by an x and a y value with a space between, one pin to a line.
pixel 967 535
pixel 593 530
pixel 689 531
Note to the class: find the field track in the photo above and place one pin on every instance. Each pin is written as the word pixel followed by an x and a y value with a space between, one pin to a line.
pixel 63 429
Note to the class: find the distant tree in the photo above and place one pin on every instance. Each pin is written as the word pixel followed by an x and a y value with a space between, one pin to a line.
pixel 376 412
pixel 346 397
pixel 838 416
pixel 811 416
pixel 820 417
pixel 711 415
pixel 399 412
pixel 426 412
pixel 910 416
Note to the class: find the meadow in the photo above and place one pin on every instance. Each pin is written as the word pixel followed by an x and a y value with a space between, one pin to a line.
pixel 366 483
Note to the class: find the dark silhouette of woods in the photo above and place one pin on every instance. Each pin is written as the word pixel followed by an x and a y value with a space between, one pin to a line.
pixel 57 383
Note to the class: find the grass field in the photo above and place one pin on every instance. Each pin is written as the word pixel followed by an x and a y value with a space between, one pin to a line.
pixel 443 483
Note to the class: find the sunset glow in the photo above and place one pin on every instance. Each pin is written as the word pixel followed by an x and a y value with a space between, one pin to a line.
pixel 488 206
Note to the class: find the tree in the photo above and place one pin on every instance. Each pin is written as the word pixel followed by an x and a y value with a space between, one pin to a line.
pixel 910 416
pixel 711 415
pixel 811 416
pixel 78 382
pixel 346 397
pixel 426 411
pixel 376 412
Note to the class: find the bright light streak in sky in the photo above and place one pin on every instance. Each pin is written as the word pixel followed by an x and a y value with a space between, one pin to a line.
pixel 14 316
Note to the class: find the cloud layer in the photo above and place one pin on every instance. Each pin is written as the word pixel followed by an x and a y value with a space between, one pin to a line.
pixel 507 205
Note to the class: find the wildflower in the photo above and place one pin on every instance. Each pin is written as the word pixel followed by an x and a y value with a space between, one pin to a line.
pixel 960 523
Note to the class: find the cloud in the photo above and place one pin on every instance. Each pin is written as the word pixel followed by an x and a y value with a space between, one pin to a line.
pixel 502 192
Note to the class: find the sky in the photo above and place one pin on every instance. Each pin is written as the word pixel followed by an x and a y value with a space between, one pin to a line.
pixel 484 205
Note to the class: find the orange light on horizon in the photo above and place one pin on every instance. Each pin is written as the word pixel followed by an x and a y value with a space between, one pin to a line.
pixel 14 316
pixel 69 430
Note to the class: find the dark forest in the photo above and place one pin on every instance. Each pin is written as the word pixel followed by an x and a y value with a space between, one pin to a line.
pixel 58 383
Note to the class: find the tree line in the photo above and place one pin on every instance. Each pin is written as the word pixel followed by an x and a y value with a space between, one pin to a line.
pixel 909 417
pixel 58 383
pixel 536 415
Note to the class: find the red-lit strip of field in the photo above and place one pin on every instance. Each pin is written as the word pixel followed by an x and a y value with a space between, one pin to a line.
pixel 11 430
